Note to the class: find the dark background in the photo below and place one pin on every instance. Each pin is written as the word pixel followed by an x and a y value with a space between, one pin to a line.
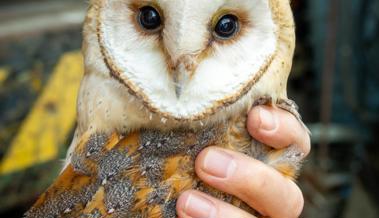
pixel 335 81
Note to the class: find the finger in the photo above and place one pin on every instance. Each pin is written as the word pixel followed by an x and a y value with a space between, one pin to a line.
pixel 257 184
pixel 277 128
pixel 194 204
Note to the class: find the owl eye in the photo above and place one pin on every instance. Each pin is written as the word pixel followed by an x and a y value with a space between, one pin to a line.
pixel 226 27
pixel 149 18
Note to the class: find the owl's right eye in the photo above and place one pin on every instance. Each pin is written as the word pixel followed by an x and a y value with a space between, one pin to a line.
pixel 149 18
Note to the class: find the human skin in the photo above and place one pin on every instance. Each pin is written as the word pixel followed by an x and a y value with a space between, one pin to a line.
pixel 268 191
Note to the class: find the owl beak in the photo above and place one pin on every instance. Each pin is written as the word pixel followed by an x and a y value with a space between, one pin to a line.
pixel 180 78
pixel 178 90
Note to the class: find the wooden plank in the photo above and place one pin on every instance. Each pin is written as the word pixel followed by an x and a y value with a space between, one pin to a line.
pixel 50 120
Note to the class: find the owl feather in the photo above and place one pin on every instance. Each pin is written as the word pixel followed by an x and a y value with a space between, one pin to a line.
pixel 164 80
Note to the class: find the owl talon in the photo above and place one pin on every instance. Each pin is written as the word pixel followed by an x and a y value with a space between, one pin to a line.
pixel 264 100
pixel 291 106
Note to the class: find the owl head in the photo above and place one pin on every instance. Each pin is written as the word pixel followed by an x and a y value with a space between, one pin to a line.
pixel 191 59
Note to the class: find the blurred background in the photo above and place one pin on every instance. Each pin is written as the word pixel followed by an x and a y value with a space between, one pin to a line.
pixel 335 81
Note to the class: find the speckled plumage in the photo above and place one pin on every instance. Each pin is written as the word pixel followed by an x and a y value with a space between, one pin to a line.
pixel 150 102
pixel 150 169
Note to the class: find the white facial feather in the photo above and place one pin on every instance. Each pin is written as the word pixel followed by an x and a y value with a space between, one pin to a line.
pixel 126 65
pixel 186 32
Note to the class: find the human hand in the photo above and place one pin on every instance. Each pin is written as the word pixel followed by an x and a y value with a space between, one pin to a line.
pixel 268 191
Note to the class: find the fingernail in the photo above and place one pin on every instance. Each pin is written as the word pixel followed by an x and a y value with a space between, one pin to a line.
pixel 267 120
pixel 219 164
pixel 199 207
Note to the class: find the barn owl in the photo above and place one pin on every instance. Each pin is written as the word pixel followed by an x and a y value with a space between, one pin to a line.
pixel 163 80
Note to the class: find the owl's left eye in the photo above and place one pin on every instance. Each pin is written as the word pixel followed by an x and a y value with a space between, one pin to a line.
pixel 227 26
pixel 149 18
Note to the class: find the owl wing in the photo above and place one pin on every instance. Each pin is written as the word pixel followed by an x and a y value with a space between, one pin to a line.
pixel 78 184
pixel 112 176
pixel 143 173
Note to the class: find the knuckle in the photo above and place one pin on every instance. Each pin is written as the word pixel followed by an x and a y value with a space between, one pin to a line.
pixel 259 183
pixel 307 145
pixel 296 206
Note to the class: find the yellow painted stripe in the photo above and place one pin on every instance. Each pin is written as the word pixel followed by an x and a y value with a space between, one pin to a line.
pixel 4 73
pixel 50 120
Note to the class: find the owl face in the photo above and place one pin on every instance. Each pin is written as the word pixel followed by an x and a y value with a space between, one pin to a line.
pixel 185 59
